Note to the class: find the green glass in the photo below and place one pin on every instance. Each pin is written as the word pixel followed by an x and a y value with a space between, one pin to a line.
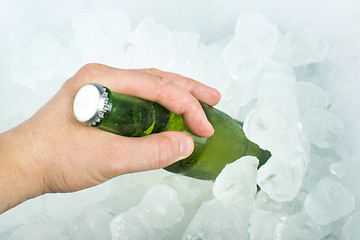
pixel 135 117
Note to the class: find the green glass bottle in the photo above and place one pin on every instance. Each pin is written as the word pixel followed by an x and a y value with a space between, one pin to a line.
pixel 95 105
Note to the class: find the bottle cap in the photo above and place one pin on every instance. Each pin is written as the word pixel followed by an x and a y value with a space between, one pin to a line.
pixel 91 103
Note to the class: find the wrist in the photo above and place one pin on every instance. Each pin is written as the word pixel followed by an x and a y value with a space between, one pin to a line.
pixel 20 178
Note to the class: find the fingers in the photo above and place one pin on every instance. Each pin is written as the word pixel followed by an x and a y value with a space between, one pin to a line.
pixel 161 89
pixel 204 93
pixel 150 152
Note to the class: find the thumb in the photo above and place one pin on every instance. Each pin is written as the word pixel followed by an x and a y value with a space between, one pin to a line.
pixel 157 150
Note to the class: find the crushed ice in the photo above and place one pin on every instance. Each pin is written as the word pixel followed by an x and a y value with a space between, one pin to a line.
pixel 294 90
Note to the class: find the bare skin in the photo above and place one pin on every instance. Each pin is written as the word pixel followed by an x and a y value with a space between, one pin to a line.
pixel 52 152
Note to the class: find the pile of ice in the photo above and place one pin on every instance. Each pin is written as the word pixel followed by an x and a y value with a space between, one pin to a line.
pixel 294 89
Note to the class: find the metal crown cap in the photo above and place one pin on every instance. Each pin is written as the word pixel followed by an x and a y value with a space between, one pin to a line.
pixel 91 103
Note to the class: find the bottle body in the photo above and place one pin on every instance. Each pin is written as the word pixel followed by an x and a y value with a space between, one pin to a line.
pixel 227 144
pixel 134 117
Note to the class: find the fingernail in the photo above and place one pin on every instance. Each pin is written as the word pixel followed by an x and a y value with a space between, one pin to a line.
pixel 186 147
pixel 212 128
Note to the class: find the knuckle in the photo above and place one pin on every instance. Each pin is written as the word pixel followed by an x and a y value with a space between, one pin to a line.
pixel 157 75
pixel 111 161
pixel 165 153
pixel 163 85
pixel 186 105
pixel 88 71
pixel 89 67
pixel 85 74
pixel 68 84
pixel 164 82
pixel 155 71
pixel 189 106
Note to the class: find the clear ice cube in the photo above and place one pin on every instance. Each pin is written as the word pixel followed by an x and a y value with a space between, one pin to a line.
pixel 309 95
pixel 322 127
pixel 282 176
pixel 38 227
pixel 20 213
pixel 236 184
pixel 92 224
pixel 301 47
pixel 254 41
pixel 158 210
pixel 351 227
pixel 189 190
pixel 162 205
pixel 329 201
pixel 215 221
pixel 135 224
pixel 67 206
pixel 267 225
pixel 36 62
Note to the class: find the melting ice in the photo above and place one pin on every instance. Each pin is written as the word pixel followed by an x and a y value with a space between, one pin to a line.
pixel 291 80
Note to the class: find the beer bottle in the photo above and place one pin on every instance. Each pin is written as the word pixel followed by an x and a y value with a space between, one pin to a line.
pixel 96 105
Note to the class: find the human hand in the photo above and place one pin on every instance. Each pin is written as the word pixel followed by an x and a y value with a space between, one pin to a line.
pixel 52 152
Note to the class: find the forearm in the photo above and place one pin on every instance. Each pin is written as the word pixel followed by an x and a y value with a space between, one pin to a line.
pixel 19 181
